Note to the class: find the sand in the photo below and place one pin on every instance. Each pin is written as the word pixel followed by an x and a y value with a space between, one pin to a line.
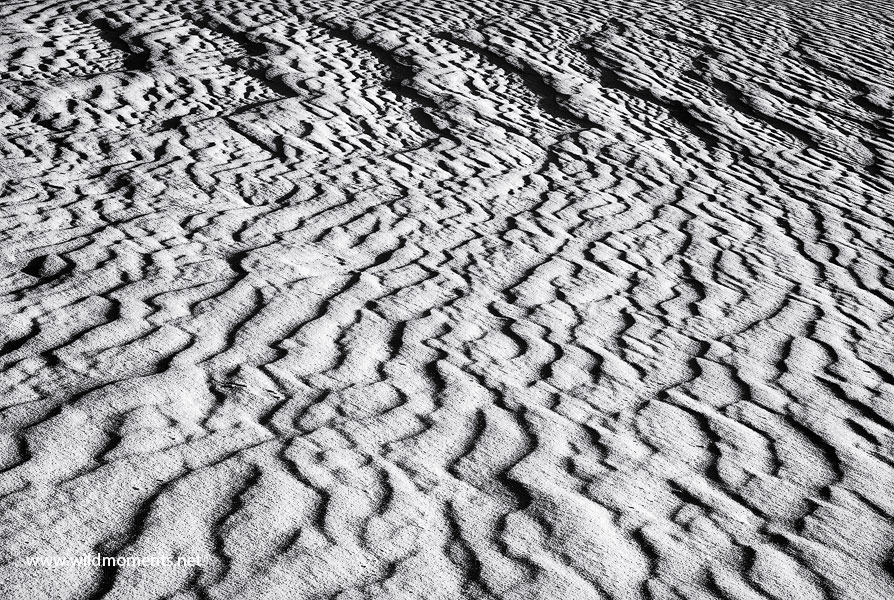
pixel 431 299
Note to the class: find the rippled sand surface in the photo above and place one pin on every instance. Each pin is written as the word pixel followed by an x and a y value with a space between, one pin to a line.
pixel 435 299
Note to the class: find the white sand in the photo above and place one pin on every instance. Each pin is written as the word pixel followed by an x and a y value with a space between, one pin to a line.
pixel 438 299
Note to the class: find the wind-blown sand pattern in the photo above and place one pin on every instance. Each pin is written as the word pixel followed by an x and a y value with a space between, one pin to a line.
pixel 441 299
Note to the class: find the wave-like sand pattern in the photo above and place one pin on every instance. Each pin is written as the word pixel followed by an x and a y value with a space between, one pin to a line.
pixel 440 299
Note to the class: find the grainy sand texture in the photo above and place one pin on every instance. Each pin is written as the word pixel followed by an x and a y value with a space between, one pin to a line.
pixel 442 299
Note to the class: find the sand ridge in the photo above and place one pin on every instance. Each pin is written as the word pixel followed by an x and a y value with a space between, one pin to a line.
pixel 447 299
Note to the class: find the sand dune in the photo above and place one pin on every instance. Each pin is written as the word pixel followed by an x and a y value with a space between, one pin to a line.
pixel 441 299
